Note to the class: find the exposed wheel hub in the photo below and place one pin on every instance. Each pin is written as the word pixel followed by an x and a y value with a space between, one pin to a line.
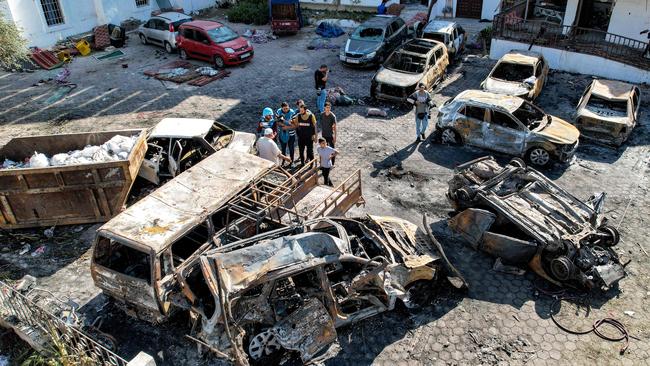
pixel 263 344
pixel 562 268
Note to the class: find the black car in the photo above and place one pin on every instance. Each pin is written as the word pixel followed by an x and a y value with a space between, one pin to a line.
pixel 372 41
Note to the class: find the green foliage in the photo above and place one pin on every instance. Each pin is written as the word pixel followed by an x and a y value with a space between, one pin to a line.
pixel 13 47
pixel 250 12
pixel 485 33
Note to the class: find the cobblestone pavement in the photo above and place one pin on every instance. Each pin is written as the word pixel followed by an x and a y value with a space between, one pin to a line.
pixel 501 319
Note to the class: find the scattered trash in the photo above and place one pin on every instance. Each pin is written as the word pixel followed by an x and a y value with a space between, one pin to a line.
pixel 376 112
pixel 49 233
pixel 109 55
pixel 45 59
pixel 504 268
pixel 125 66
pixel 320 43
pixel 629 313
pixel 299 68
pixel 62 76
pixel 259 36
pixel 329 30
pixel 176 71
pixel 179 71
pixel 25 283
pixel 117 148
pixel 39 251
pixel 207 71
pixel 24 249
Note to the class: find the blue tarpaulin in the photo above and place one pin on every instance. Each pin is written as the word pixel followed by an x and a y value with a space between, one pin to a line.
pixel 329 30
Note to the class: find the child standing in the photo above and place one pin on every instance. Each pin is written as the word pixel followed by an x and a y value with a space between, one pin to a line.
pixel 326 153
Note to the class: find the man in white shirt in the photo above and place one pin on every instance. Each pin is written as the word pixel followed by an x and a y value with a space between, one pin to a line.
pixel 268 149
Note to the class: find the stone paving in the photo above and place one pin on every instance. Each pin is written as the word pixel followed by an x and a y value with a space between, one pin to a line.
pixel 501 319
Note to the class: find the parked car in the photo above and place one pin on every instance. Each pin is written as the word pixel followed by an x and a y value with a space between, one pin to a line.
pixel 519 215
pixel 372 41
pixel 449 33
pixel 506 124
pixel 608 111
pixel 213 42
pixel 289 289
pixel 416 61
pixel 519 73
pixel 162 30
pixel 176 144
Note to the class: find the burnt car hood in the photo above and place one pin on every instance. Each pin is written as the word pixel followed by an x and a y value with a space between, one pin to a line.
pixel 559 131
pixel 361 47
pixel 515 88
pixel 401 79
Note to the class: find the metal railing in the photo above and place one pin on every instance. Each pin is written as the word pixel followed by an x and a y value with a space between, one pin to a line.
pixel 64 341
pixel 345 190
pixel 510 24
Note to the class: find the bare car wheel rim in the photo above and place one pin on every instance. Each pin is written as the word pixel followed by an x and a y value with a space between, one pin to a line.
pixel 263 344
pixel 539 157
pixel 448 137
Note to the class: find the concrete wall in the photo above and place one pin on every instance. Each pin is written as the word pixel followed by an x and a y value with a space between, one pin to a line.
pixel 193 5
pixel 629 17
pixel 571 12
pixel 576 62
pixel 490 9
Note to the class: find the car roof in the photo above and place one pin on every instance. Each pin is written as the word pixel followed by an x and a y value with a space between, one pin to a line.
pixel 611 89
pixel 161 217
pixel 173 16
pixel 521 57
pixel 439 26
pixel 379 20
pixel 506 102
pixel 182 127
pixel 238 269
pixel 203 24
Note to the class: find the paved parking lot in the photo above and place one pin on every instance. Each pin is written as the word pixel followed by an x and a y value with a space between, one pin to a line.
pixel 501 319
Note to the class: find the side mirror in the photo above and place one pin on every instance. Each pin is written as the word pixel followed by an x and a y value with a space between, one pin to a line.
pixel 205 41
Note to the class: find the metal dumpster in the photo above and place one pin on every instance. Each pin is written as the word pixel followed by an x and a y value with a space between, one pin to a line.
pixel 64 195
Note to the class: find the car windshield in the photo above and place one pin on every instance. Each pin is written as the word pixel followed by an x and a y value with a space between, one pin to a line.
pixel 435 36
pixel 512 72
pixel 178 23
pixel 530 115
pixel 607 108
pixel 368 34
pixel 406 63
pixel 222 34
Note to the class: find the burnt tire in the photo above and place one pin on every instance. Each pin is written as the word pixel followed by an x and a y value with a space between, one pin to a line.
pixel 517 162
pixel 419 294
pixel 538 157
pixel 612 235
pixel 450 137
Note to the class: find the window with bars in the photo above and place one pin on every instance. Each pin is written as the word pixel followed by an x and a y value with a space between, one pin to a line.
pixel 52 12
pixel 140 3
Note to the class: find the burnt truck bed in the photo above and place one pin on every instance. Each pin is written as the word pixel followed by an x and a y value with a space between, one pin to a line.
pixel 65 195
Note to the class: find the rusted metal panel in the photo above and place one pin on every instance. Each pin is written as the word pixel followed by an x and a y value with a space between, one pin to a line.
pixel 65 195
pixel 472 224
pixel 510 250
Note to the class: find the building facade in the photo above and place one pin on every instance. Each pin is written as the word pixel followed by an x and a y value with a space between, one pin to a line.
pixel 44 22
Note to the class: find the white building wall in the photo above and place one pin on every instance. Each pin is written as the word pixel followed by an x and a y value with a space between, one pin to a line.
pixel 629 17
pixel 116 11
pixel 576 62
pixel 570 12
pixel 193 5
pixel 490 9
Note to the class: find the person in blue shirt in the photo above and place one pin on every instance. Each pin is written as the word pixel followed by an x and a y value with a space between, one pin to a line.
pixel 286 130
pixel 266 121
pixel 381 9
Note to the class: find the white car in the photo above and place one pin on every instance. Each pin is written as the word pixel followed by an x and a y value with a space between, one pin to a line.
pixel 449 33
pixel 162 30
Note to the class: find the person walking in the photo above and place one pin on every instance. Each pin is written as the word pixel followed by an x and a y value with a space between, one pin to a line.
pixel 326 155
pixel 305 124
pixel 320 81
pixel 286 130
pixel 268 149
pixel 328 126
pixel 422 101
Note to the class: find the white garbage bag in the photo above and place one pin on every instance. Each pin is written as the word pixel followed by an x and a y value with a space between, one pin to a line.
pixel 38 160
pixel 59 159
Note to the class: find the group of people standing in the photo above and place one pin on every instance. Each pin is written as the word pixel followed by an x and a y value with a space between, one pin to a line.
pixel 286 126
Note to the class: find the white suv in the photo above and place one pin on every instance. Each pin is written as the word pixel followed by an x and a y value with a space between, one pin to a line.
pixel 162 30
pixel 449 33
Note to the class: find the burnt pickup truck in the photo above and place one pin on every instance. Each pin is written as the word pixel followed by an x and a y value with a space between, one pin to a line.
pixel 518 215
pixel 287 290
pixel 144 256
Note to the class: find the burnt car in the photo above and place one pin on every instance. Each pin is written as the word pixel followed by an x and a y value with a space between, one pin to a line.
pixel 417 61
pixel 449 33
pixel 288 290
pixel 608 111
pixel 519 73
pixel 372 41
pixel 518 215
pixel 506 124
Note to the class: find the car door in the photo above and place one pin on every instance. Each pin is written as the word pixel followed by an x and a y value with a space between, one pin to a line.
pixel 456 40
pixel 440 62
pixel 174 157
pixel 540 77
pixel 430 71
pixel 156 31
pixel 401 30
pixel 389 40
pixel 202 45
pixel 471 123
pixel 504 133
pixel 147 28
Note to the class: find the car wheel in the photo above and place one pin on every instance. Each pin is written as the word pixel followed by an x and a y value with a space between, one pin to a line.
pixel 168 47
pixel 218 62
pixel 263 344
pixel 182 53
pixel 538 156
pixel 516 162
pixel 612 237
pixel 143 39
pixel 450 137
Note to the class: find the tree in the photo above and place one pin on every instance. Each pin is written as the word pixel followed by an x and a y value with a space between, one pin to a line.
pixel 13 47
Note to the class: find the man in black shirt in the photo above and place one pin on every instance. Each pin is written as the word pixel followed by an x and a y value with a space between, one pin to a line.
pixel 320 81
pixel 305 124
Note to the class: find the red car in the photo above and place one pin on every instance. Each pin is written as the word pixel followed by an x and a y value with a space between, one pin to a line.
pixel 214 42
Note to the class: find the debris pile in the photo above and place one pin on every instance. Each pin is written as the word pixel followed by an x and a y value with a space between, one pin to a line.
pixel 117 148
pixel 259 36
